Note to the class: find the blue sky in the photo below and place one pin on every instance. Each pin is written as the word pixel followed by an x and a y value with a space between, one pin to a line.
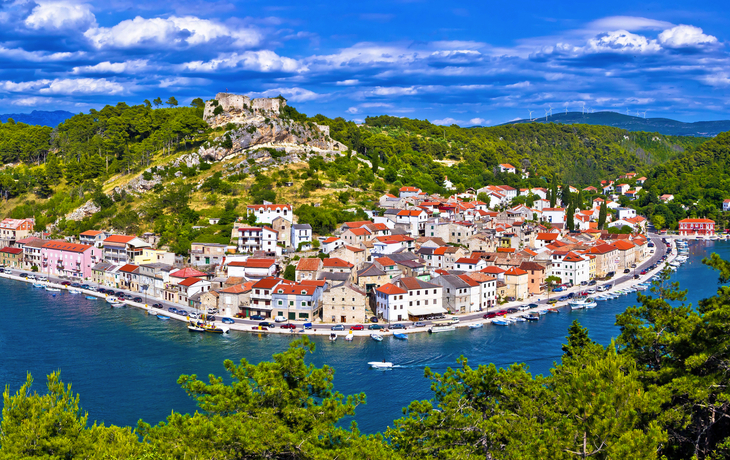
pixel 469 63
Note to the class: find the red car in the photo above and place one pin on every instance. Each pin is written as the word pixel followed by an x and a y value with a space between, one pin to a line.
pixel 287 326
pixel 490 315
pixel 357 327
pixel 501 313
pixel 66 283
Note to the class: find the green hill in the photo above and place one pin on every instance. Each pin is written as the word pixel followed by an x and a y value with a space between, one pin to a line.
pixel 632 123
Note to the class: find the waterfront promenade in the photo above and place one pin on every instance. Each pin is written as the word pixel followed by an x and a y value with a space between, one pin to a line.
pixel 621 281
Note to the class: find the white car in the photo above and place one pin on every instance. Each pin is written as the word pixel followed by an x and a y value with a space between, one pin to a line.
pixel 280 319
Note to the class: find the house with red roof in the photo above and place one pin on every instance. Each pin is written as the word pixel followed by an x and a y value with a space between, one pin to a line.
pixel 92 237
pixel 696 227
pixel 414 220
pixel 297 302
pixel 235 300
pixel 626 253
pixel 569 266
pixel 252 239
pixel 468 264
pixel 308 268
pixel 516 283
pixel 407 192
pixel 357 256
pixel 507 168
pixel 11 257
pixel 61 258
pixel 356 236
pixel 391 302
pixel 266 213
pixel 330 244
pixel 12 230
pixel 253 268
pixel 122 249
pixel 726 205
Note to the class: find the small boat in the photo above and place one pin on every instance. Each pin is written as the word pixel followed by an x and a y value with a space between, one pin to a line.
pixel 52 289
pixel 118 305
pixel 333 336
pixel 532 317
pixel 441 327
pixel 74 291
pixel 163 317
pixel 214 329
pixel 500 322
pixel 91 297
pixel 577 304
pixel 476 326
pixel 195 327
pixel 591 304
pixel 518 319
pixel 400 336
pixel 376 337
pixel 112 299
pixel 553 310
pixel 39 285
pixel 349 336
pixel 380 365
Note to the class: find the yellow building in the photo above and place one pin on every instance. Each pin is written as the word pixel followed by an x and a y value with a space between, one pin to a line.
pixel 154 256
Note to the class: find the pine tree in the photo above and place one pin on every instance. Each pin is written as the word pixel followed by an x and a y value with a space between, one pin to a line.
pixel 553 192
pixel 570 217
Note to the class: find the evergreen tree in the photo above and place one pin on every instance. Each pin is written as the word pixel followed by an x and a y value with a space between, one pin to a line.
pixel 554 192
pixel 602 212
pixel 570 217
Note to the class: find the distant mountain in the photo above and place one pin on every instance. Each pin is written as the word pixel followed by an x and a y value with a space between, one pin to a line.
pixel 631 123
pixel 39 117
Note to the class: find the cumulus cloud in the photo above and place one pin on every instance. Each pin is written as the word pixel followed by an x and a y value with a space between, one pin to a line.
pixel 446 121
pixel 628 23
pixel 113 67
pixel 60 15
pixel 172 32
pixel 348 82
pixel 258 61
pixel 353 110
pixel 32 101
pixel 295 94
pixel 684 36
pixel 622 41
pixel 479 121
pixel 64 86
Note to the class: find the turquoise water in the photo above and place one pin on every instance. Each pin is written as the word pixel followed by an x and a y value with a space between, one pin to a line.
pixel 125 364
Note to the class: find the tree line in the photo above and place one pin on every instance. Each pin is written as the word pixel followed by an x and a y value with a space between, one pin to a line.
pixel 658 391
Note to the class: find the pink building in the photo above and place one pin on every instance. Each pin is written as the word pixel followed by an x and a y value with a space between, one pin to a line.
pixel 69 259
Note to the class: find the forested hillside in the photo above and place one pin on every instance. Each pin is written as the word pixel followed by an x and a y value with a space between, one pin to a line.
pixel 48 173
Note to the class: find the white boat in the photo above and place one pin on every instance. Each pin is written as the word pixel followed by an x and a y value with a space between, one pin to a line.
pixel 376 337
pixel 121 304
pixel 591 304
pixel 195 327
pixel 112 299
pixel 333 336
pixel 349 336
pixel 52 289
pixel 380 364
pixel 518 319
pixel 441 327
pixel 577 304
pixel 476 326
pixel 74 291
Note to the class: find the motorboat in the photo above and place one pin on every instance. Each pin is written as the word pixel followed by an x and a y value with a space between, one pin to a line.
pixel 117 305
pixel 74 291
pixel 91 297
pixel 577 304
pixel 333 336
pixel 476 326
pixel 214 329
pixel 553 310
pixel 401 336
pixel 500 322
pixel 376 337
pixel 195 327
pixel 39 285
pixel 380 364
pixel 52 289
pixel 518 319
pixel 349 336
pixel 441 327
pixel 112 299
pixel 590 303
pixel 532 317
pixel 163 317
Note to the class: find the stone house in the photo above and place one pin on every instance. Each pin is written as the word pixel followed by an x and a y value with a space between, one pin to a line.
pixel 235 299
pixel 283 226
pixel 535 276
pixel 516 280
pixel 308 269
pixel 372 277
pixel 345 303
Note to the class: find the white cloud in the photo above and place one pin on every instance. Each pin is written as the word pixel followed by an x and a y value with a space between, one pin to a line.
pixel 178 82
pixel 113 67
pixel 169 32
pixel 522 84
pixel 479 121
pixel 347 82
pixel 446 121
pixel 20 54
pixel 395 91
pixel 33 101
pixel 684 36
pixel 718 79
pixel 622 41
pixel 628 23
pixel 259 61
pixel 82 86
pixel 23 86
pixel 353 110
pixel 295 94
pixel 60 15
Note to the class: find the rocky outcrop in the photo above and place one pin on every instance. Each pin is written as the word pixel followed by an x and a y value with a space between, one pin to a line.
pixel 85 210
pixel 240 109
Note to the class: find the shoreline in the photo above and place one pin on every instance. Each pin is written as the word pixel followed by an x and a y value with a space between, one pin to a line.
pixel 465 319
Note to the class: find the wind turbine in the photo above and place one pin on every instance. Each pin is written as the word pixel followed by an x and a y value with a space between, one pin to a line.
pixel 551 109
pixel 546 114
pixel 627 110
pixel 530 114
pixel 644 114
pixel 566 108
pixel 583 109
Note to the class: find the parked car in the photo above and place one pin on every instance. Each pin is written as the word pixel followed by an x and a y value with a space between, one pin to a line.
pixel 338 327
pixel 66 283
pixel 558 289
pixel 357 327
pixel 627 270
pixel 490 315
pixel 280 319
pixel 397 326
pixel 454 320
pixel 584 283
pixel 533 305
pixel 137 299
pixel 172 310
pixel 375 327
pixel 512 310
pixel 266 324
pixel 374 319
pixel 257 317
pixel 592 283
pixel 287 326
pixel 76 285
pixel 523 307
pixel 157 305
pixel 85 286
pixel 419 324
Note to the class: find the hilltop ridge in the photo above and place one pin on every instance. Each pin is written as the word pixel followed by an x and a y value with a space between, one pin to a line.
pixel 631 123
